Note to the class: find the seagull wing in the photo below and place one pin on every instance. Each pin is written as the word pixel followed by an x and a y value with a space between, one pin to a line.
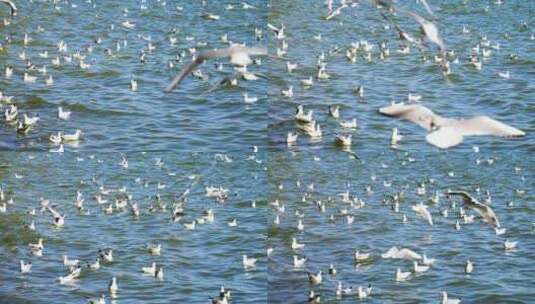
pixel 427 7
pixel 218 53
pixel 273 28
pixel 12 6
pixel 256 51
pixel 445 137
pixel 485 211
pixel 429 28
pixel 418 114
pixel 484 125
pixel 185 72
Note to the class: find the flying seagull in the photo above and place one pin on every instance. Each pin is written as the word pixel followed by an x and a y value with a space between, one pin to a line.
pixel 11 5
pixel 448 132
pixel 239 55
pixel 485 211
pixel 429 29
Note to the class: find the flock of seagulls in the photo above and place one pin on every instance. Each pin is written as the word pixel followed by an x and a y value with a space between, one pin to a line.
pixel 322 211
pixel 340 209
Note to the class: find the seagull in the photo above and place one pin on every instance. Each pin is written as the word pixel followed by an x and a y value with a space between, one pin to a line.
pixel 296 245
pixel 420 268
pixel 112 287
pixel 363 294
pixel 403 253
pixel 447 132
pixel 343 140
pixel 299 262
pixel 402 276
pixel 485 211
pixel 248 262
pixel 65 115
pixel 396 137
pixel 12 6
pixel 469 267
pixel 249 99
pixel 300 115
pixel 154 249
pixel 101 300
pixel 150 270
pixel 25 267
pixel 361 257
pixel 315 279
pixel 421 211
pixel 427 261
pixel 72 137
pixel 446 300
pixel 106 255
pixel 429 29
pixel 239 55
pixel 69 263
pixel 350 124
pixel 334 111
pixel 509 245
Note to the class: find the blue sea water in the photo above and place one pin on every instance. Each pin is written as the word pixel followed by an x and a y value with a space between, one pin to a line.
pixel 170 138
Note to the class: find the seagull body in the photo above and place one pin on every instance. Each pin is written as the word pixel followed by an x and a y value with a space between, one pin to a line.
pixel 150 270
pixel 248 262
pixel 343 140
pixel 154 249
pixel 421 211
pixel 101 300
pixel 448 132
pixel 334 111
pixel 404 254
pixel 396 137
pixel 509 245
pixel 469 266
pixel 30 121
pixel 299 262
pixel 239 55
pixel 420 268
pixel 69 263
pixel 63 114
pixel 296 245
pixel 72 137
pixel 25 267
pixel 429 29
pixel 351 124
pixel 301 117
pixel 112 287
pixel 361 257
pixel 249 99
pixel 315 279
pixel 402 276
pixel 427 261
pixel 363 294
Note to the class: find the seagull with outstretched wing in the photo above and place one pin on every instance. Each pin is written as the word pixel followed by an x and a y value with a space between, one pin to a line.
pixel 485 211
pixel 448 132
pixel 238 54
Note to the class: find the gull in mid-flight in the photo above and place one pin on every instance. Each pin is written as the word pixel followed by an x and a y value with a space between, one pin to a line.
pixel 448 132
pixel 485 211
pixel 239 55
pixel 429 29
